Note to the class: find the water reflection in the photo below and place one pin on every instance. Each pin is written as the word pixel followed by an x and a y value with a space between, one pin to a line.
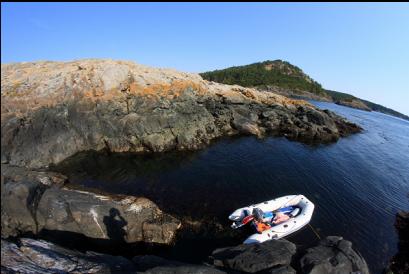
pixel 357 184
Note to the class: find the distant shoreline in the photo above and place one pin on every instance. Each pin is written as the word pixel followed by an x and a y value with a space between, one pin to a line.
pixel 286 79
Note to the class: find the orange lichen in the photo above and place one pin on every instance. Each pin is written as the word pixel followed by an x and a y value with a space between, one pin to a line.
pixel 294 102
pixel 248 94
pixel 133 88
pixel 169 90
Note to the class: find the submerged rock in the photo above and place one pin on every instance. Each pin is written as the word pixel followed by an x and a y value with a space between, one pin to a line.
pixel 52 110
pixel 274 256
pixel 30 206
pixel 333 255
pixel 39 256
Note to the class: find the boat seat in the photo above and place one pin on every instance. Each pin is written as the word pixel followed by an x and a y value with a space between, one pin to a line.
pixel 286 210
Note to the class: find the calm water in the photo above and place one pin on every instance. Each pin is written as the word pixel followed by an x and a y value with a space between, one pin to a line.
pixel 357 184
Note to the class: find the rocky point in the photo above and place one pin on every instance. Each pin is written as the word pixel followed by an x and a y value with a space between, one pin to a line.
pixel 53 110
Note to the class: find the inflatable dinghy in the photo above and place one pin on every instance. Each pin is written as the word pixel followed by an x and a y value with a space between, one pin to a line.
pixel 298 208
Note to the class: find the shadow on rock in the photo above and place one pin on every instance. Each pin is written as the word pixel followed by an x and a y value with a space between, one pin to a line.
pixel 115 224
pixel 78 241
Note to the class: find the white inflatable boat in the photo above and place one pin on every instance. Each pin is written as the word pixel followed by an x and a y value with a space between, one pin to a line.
pixel 297 207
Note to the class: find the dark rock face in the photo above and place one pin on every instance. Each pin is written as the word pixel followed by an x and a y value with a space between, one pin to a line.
pixel 19 203
pixel 158 265
pixel 48 178
pixel 30 206
pixel 274 257
pixel 400 262
pixel 184 124
pixel 38 256
pixel 333 255
pixel 281 270
pixel 126 219
pixel 345 127
pixel 270 255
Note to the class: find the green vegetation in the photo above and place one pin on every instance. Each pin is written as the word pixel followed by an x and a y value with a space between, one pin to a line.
pixel 284 75
pixel 277 73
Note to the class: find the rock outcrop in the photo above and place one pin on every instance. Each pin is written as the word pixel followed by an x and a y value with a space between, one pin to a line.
pixel 294 93
pixel 355 103
pixel 21 174
pixel 32 206
pixel 52 110
pixel 39 256
pixel 274 256
pixel 333 255
pixel 151 264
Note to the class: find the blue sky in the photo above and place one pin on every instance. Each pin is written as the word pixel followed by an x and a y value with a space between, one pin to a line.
pixel 362 49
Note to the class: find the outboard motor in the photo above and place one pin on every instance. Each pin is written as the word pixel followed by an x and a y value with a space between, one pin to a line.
pixel 258 214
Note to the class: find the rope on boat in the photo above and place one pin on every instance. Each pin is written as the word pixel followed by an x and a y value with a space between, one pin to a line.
pixel 315 232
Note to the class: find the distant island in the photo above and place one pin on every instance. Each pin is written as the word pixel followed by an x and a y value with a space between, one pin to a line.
pixel 286 79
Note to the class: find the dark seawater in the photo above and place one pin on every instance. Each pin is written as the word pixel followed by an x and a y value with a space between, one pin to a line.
pixel 357 184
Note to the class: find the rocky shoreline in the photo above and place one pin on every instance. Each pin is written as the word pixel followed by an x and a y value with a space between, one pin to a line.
pixel 44 204
pixel 331 255
pixel 295 94
pixel 399 263
pixel 305 95
pixel 353 104
pixel 51 111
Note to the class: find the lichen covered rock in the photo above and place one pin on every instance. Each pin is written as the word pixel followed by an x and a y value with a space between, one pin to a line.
pixel 52 110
